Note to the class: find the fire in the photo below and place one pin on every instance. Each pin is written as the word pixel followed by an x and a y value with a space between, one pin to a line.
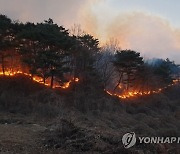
pixel 39 79
pixel 9 73
pixel 109 93
pixel 76 79
pixel 135 93
pixel 66 85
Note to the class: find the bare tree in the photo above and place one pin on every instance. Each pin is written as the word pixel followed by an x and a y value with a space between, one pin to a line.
pixel 105 67
pixel 76 30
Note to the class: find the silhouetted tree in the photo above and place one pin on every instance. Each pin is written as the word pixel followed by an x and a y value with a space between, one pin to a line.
pixel 127 63
pixel 49 51
pixel 44 49
pixel 86 56
pixel 7 37
pixel 165 70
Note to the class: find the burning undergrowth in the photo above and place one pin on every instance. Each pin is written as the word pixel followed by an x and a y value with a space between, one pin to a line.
pixel 135 93
pixel 37 58
pixel 100 129
pixel 93 122
pixel 62 85
pixel 48 54
pixel 125 74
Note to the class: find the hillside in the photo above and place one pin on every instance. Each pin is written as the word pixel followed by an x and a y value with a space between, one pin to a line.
pixel 36 119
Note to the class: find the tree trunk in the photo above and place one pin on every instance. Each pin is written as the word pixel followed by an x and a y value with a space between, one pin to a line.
pixel 52 80
pixel 127 82
pixel 44 80
pixel 3 67
pixel 118 82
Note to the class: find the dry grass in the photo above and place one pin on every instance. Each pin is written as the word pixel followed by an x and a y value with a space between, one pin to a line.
pixel 87 120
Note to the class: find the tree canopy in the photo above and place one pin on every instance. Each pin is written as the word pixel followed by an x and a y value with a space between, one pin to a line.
pixel 52 53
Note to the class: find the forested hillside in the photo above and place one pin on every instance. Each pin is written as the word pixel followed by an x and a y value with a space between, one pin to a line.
pixel 64 93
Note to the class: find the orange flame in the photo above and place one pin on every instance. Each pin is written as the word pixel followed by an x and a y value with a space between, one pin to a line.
pixel 39 79
pixel 66 85
pixel 135 93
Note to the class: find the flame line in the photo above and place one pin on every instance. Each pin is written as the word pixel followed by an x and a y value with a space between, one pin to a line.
pixel 39 79
pixel 131 94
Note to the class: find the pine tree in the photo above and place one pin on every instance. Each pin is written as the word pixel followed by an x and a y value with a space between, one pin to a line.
pixel 127 63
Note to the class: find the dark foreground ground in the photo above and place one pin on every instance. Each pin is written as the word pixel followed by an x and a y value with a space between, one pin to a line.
pixel 34 119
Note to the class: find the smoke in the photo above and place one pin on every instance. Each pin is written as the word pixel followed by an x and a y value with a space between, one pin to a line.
pixel 63 12
pixel 153 36
pixel 89 19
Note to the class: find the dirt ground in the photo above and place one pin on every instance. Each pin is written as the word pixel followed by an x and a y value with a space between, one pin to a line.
pixel 20 134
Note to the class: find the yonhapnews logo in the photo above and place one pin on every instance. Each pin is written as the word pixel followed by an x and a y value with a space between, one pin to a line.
pixel 129 140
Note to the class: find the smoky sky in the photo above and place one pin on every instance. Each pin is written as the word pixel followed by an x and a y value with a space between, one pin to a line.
pixel 151 35
pixel 148 28
pixel 64 12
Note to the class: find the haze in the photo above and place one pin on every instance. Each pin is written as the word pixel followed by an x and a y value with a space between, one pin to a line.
pixel 151 27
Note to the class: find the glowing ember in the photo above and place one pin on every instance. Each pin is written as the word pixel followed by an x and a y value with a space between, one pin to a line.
pixel 66 85
pixel 76 79
pixel 142 93
pixel 39 79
